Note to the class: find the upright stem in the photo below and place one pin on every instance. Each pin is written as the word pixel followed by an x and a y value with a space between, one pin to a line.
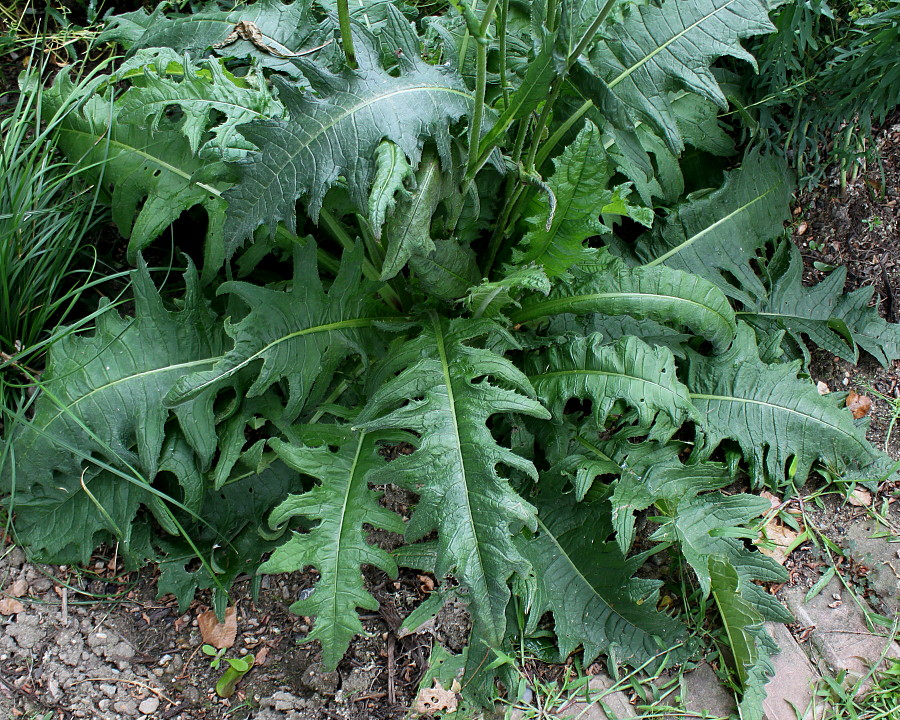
pixel 478 114
pixel 343 7
pixel 480 87
pixel 502 17
pixel 590 32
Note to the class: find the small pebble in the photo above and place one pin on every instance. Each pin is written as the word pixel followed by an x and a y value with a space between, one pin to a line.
pixel 149 705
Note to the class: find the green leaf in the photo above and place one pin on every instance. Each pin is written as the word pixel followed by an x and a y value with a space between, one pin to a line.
pixel 773 415
pixel 490 298
pixel 392 172
pixel 698 122
pixel 448 272
pixel 580 184
pixel 84 462
pixel 587 584
pixel 662 294
pixel 652 473
pixel 834 320
pixel 229 532
pixel 750 644
pixel 718 235
pixel 152 177
pixel 288 28
pixel 203 95
pixel 629 370
pixel 659 48
pixel 454 470
pixel 409 229
pixel 281 326
pixel 342 503
pixel 336 131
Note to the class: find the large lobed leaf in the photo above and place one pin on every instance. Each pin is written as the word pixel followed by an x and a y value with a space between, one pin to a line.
pixel 580 187
pixel 716 236
pixel 438 395
pixel 99 434
pixel 336 131
pixel 204 94
pixel 586 582
pixel 668 47
pixel 281 327
pixel 340 505
pixel 662 294
pixel 629 370
pixel 773 415
pixel 836 321
pixel 287 28
pixel 153 177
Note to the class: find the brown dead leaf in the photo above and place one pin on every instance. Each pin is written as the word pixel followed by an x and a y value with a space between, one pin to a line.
pixel 802 228
pixel 261 655
pixel 859 404
pixel 219 635
pixel 781 537
pixel 822 388
pixel 860 498
pixel 774 500
pixel 10 606
pixel 434 700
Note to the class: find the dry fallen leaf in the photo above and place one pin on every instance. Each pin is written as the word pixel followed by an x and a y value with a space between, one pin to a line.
pixel 860 498
pixel 433 700
pixel 802 228
pixel 822 388
pixel 781 537
pixel 774 500
pixel 219 635
pixel 10 606
pixel 261 655
pixel 859 404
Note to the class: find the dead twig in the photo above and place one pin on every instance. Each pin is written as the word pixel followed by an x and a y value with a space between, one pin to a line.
pixel 159 693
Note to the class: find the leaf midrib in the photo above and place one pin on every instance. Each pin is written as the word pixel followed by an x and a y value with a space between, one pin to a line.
pixel 544 308
pixel 585 371
pixel 732 398
pixel 552 537
pixel 457 446
pixel 647 58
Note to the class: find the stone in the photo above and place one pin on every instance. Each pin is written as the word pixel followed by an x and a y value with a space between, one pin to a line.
pixel 191 694
pixel 282 701
pixel 16 557
pixel 840 638
pixel 26 632
pixel 881 557
pixel 316 678
pixel 126 707
pixel 704 694
pixel 108 690
pixel 149 706
pixel 794 680
pixel 599 690
pixel 357 681
pixel 41 584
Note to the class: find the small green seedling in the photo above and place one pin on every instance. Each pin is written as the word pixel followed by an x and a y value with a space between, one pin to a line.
pixel 215 654
pixel 233 674
pixel 236 670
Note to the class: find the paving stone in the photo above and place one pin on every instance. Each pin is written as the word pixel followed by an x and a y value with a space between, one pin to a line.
pixel 881 556
pixel 616 702
pixel 793 682
pixel 704 695
pixel 841 638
